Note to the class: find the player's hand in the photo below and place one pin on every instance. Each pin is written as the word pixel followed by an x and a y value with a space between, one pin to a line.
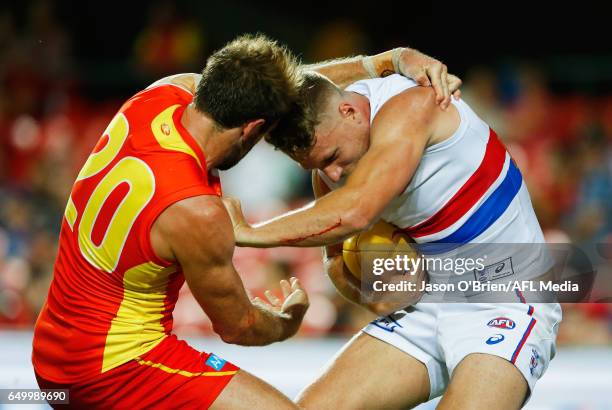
pixel 232 205
pixel 294 302
pixel 292 307
pixel 427 71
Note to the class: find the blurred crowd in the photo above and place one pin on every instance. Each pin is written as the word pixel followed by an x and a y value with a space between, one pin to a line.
pixel 48 125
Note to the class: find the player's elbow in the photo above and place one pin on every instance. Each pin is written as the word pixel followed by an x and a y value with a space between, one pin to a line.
pixel 357 210
pixel 232 337
pixel 235 332
pixel 357 219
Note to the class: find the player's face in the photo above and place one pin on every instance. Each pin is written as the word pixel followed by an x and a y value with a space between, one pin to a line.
pixel 340 143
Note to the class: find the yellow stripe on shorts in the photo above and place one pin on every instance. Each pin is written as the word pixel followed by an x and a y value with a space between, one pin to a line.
pixel 182 372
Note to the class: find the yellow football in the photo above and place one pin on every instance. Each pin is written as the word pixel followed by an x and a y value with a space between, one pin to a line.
pixel 358 250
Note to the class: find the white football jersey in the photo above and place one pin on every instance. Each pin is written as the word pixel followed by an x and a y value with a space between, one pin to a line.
pixel 466 190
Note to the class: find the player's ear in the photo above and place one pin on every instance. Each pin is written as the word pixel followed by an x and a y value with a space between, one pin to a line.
pixel 252 129
pixel 346 109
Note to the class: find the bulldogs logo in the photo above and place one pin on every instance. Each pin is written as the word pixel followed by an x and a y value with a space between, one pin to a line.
pixel 502 323
pixel 534 361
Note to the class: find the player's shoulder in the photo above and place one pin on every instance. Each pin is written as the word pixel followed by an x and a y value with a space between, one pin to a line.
pixel 156 104
pixel 412 112
pixel 415 103
pixel 197 220
pixel 162 95
pixel 200 208
pixel 414 99
pixel 168 89
pixel 186 81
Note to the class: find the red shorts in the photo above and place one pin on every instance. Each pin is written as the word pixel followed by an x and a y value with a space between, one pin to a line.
pixel 171 375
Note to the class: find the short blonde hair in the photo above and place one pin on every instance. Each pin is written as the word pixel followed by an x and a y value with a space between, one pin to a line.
pixel 295 133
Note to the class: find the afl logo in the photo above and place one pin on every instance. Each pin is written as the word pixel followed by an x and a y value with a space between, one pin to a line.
pixel 502 323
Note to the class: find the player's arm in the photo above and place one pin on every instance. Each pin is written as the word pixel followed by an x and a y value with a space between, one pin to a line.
pixel 198 233
pixel 188 81
pixel 423 69
pixel 399 135
pixel 344 282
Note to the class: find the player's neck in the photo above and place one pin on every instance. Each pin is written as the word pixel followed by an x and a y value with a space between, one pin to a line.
pixel 207 134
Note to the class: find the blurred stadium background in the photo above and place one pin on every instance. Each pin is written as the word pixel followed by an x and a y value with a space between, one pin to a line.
pixel 544 84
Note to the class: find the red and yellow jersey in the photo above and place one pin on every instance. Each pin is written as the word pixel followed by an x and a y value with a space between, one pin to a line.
pixel 112 298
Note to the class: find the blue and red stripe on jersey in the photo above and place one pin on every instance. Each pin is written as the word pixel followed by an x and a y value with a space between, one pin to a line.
pixel 474 189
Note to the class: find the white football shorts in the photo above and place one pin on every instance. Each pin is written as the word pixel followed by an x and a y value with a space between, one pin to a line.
pixel 440 335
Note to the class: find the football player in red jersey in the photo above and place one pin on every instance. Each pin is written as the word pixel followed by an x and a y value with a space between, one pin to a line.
pixel 145 215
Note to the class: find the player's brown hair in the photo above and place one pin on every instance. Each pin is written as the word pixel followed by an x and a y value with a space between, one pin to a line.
pixel 251 77
pixel 295 132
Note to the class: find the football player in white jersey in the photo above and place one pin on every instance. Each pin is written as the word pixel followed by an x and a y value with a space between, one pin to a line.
pixel 385 149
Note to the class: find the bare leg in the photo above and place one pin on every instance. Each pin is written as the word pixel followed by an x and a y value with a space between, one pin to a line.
pixel 484 381
pixel 368 373
pixel 247 392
